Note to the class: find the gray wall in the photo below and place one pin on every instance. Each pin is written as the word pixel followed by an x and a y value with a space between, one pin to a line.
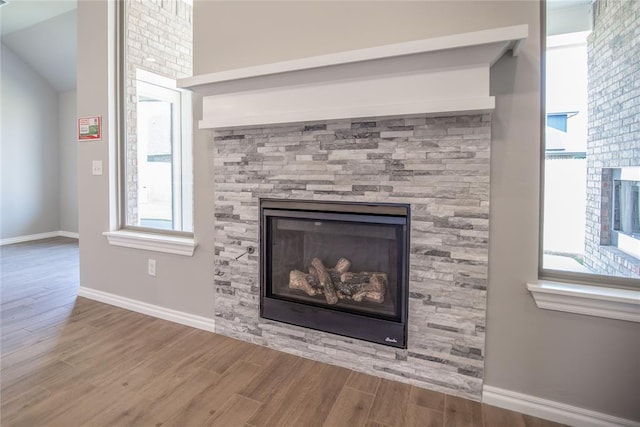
pixel 230 34
pixel 29 151
pixel 182 283
pixel 68 161
pixel 579 360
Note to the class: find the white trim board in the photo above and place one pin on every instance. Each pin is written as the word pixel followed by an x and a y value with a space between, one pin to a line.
pixel 187 319
pixel 70 234
pixel 152 242
pixel 442 75
pixel 470 105
pixel 551 410
pixel 39 236
pixel 612 303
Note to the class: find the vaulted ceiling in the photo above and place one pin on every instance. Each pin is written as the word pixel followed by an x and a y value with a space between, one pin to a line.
pixel 43 34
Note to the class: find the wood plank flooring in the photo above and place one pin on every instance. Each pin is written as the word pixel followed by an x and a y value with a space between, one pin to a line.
pixel 69 361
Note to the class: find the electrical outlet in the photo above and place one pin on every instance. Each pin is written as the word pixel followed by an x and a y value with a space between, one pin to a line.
pixel 96 167
pixel 152 267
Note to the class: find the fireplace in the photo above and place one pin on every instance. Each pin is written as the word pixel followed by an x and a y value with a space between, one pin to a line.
pixel 439 166
pixel 336 267
pixel 408 124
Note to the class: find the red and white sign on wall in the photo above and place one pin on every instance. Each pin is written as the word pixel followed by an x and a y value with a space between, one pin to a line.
pixel 89 128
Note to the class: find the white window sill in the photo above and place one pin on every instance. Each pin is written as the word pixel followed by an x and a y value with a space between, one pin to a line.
pixel 620 304
pixel 152 242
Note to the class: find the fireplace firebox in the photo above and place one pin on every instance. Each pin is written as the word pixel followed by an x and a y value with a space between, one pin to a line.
pixel 336 267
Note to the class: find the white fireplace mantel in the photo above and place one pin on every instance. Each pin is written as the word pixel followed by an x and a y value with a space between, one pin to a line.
pixel 447 74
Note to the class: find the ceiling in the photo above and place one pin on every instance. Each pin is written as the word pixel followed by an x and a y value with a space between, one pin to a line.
pixel 43 34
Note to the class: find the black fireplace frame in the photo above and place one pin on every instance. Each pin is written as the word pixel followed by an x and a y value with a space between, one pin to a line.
pixel 379 329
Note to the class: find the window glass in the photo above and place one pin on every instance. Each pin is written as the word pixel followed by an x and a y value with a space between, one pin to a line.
pixel 592 138
pixel 157 172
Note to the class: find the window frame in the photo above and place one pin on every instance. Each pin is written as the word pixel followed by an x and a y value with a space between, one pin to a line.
pixel 182 189
pixel 155 240
pixel 121 142
pixel 546 274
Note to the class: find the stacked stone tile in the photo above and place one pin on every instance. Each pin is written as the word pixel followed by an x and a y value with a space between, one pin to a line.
pixel 614 130
pixel 438 165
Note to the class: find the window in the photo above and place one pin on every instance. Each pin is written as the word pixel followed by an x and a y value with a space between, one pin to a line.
pixel 156 189
pixel 591 217
pixel 163 199
pixel 626 211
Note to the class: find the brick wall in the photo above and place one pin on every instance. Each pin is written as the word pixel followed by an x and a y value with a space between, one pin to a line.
pixel 162 30
pixel 614 128
pixel 438 165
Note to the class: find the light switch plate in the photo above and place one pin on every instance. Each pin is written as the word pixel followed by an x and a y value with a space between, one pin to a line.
pixel 96 167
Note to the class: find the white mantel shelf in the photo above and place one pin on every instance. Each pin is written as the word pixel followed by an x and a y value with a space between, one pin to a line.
pixel 448 74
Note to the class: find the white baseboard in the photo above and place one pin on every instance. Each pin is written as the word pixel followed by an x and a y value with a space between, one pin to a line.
pixel 181 317
pixel 39 236
pixel 70 234
pixel 551 410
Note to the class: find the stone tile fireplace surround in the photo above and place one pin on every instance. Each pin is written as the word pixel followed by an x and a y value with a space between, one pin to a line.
pixel 424 141
pixel 440 165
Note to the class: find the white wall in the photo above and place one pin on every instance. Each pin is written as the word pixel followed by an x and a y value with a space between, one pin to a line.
pixel 30 187
pixel 68 161
pixel 579 360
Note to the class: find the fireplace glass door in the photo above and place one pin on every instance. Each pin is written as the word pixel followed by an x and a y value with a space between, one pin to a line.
pixel 348 263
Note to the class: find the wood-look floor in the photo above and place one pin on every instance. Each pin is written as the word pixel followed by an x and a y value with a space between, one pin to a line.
pixel 69 361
